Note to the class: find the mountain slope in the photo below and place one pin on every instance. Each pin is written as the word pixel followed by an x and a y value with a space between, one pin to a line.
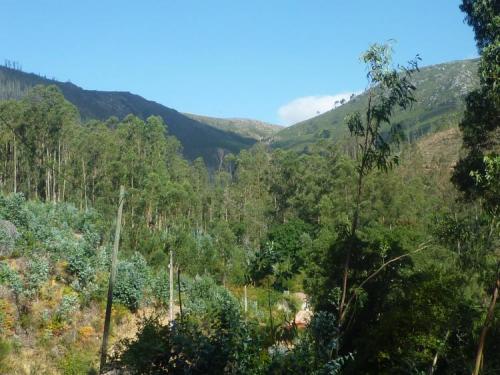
pixel 440 92
pixel 254 129
pixel 197 138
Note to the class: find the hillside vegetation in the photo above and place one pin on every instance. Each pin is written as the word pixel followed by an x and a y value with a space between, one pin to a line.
pixel 440 93
pixel 269 222
pixel 254 129
pixel 348 249
pixel 198 139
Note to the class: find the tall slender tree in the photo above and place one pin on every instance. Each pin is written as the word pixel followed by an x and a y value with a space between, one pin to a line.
pixel 388 89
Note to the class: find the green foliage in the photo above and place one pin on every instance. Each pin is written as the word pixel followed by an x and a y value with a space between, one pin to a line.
pixel 489 181
pixel 314 351
pixel 199 137
pixel 389 89
pixel 283 254
pixel 8 236
pixel 160 288
pixel 480 128
pixel 77 362
pixel 67 307
pixel 255 129
pixel 12 208
pixel 439 95
pixel 5 349
pixel 12 279
pixel 37 273
pixel 205 297
pixel 132 277
pixel 348 218
pixel 211 338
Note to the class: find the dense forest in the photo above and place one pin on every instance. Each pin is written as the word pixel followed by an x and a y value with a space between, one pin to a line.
pixel 367 256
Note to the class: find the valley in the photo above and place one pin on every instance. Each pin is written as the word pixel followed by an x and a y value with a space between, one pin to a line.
pixel 136 238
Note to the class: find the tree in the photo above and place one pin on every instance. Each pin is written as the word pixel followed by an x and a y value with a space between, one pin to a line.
pixel 480 125
pixel 388 89
pixel 476 175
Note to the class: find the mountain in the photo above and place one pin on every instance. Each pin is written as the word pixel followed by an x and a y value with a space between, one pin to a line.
pixel 198 138
pixel 249 128
pixel 440 92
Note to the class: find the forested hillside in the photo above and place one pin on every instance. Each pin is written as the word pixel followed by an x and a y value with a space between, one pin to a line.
pixel 198 138
pixel 440 94
pixel 375 255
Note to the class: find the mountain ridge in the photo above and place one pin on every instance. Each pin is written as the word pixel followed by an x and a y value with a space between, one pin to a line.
pixel 197 138
pixel 256 129
pixel 440 92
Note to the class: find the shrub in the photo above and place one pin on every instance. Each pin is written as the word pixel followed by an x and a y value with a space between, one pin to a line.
pixel 80 265
pixel 160 290
pixel 77 362
pixel 13 208
pixel 37 273
pixel 132 277
pixel 227 345
pixel 314 351
pixel 12 279
pixel 67 307
pixel 205 298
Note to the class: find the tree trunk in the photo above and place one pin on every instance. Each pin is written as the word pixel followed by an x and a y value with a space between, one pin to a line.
pixel 15 166
pixel 54 179
pixel 367 143
pixel 84 185
pixel 486 326
pixel 59 171
pixel 179 291
pixel 436 356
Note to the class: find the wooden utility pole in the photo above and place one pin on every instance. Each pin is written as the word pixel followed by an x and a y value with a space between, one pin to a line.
pixel 171 287
pixel 179 290
pixel 112 276
pixel 270 310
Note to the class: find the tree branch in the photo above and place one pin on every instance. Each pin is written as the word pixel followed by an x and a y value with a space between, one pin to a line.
pixel 384 265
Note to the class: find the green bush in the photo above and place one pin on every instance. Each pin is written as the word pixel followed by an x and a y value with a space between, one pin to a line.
pixel 77 362
pixel 81 265
pixel 67 307
pixel 13 208
pixel 131 280
pixel 219 342
pixel 37 272
pixel 12 279
pixel 314 351
pixel 160 289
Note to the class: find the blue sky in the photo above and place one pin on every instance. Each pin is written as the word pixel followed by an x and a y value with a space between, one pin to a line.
pixel 232 58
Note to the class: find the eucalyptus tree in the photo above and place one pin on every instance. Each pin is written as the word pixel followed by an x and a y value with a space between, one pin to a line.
pixel 38 129
pixel 44 125
pixel 9 153
pixel 388 89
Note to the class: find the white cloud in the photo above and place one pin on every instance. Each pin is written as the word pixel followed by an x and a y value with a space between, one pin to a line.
pixel 306 107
